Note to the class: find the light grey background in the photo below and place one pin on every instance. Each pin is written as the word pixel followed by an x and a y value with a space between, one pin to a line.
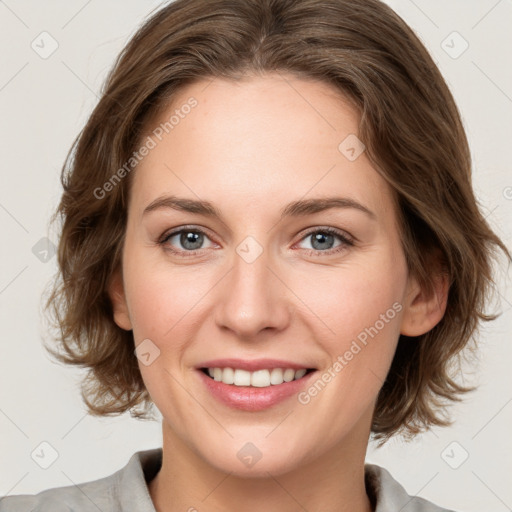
pixel 44 104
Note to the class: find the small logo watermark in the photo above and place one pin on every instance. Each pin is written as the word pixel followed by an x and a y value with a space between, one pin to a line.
pixel 147 352
pixel 351 147
pixel 249 454
pixel 249 249
pixel 44 455
pixel 455 455
pixel 44 250
pixel 454 45
pixel 44 45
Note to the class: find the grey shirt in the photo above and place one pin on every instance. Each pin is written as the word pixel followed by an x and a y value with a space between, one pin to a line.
pixel 126 490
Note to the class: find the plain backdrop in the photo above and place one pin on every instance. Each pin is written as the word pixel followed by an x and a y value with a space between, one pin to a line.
pixel 45 102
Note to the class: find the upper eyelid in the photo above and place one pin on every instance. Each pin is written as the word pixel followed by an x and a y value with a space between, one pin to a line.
pixel 179 229
pixel 336 231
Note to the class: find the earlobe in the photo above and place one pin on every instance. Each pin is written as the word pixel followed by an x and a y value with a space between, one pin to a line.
pixel 422 312
pixel 117 296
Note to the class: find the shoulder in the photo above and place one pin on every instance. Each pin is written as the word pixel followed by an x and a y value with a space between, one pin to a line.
pixel 390 496
pixel 84 497
pixel 123 490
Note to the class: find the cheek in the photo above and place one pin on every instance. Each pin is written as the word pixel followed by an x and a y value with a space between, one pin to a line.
pixel 363 313
pixel 361 305
pixel 162 299
pixel 356 297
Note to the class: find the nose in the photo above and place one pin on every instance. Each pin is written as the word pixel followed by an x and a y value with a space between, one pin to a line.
pixel 253 298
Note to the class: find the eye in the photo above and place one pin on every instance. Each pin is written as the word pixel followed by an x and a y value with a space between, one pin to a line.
pixel 190 241
pixel 322 241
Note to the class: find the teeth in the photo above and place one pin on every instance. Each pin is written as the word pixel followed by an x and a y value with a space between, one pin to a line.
pixel 288 375
pixel 260 379
pixel 300 373
pixel 228 376
pixel 257 379
pixel 242 378
pixel 276 376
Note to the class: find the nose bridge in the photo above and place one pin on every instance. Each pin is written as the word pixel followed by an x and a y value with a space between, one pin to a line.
pixel 253 298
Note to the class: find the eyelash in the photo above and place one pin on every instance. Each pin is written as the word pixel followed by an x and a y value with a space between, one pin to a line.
pixel 346 241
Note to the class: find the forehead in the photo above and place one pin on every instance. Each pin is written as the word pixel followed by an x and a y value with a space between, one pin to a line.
pixel 264 140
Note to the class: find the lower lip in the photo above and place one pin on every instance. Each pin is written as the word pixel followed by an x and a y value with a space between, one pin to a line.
pixel 249 398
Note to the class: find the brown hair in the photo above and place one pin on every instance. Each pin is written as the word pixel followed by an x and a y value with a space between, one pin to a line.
pixel 413 135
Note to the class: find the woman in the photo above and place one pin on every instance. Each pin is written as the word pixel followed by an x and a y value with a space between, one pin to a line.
pixel 232 141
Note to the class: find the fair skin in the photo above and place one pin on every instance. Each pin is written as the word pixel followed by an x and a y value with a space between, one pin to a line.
pixel 250 148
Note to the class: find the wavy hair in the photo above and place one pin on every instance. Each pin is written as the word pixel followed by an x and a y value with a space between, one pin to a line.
pixel 414 137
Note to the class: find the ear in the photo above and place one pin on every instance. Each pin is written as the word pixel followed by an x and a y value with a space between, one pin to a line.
pixel 422 312
pixel 118 298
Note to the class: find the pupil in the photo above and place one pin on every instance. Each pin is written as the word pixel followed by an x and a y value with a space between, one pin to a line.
pixel 321 237
pixel 190 238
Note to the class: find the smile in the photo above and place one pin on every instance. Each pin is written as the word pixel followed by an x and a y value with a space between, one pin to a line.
pixel 259 378
pixel 254 384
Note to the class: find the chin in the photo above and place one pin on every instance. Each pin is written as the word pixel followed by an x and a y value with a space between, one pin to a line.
pixel 275 464
pixel 250 454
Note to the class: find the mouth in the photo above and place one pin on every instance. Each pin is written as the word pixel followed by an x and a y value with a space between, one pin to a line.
pixel 256 390
pixel 262 378
pixel 254 384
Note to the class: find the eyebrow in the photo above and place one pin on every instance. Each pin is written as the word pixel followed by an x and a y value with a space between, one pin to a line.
pixel 299 208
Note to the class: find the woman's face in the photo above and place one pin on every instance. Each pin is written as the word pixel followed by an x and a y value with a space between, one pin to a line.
pixel 275 276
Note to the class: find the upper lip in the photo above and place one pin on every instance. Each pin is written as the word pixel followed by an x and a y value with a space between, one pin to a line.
pixel 252 365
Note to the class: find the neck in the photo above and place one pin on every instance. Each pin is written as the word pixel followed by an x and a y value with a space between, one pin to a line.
pixel 333 482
